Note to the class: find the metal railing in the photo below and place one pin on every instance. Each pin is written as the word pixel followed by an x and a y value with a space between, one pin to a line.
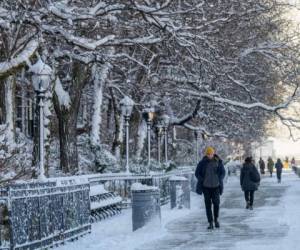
pixel 42 214
pixel 120 183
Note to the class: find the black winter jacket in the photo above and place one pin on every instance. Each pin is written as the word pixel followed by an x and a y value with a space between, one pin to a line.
pixel 201 169
pixel 249 178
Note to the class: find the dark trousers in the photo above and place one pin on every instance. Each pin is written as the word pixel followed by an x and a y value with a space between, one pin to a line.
pixel 212 197
pixel 249 197
pixel 278 176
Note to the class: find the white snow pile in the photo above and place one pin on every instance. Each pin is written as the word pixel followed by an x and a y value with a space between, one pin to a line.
pixel 97 189
pixel 138 186
pixel 116 233
pixel 104 203
pixel 178 178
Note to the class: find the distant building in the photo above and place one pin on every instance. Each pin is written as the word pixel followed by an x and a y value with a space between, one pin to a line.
pixel 276 148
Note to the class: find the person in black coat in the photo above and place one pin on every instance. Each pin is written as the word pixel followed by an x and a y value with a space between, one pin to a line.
pixel 279 168
pixel 262 166
pixel 249 180
pixel 210 173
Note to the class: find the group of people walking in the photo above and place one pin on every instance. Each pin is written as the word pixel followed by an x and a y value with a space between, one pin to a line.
pixel 210 173
pixel 270 165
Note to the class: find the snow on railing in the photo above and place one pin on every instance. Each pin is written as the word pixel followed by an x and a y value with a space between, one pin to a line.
pixel 121 182
pixel 42 214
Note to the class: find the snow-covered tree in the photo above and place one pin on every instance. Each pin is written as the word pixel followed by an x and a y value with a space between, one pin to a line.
pixel 221 68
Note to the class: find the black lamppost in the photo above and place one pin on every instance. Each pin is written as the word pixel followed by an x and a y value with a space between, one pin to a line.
pixel 165 122
pixel 197 135
pixel 41 80
pixel 126 108
pixel 159 130
pixel 148 114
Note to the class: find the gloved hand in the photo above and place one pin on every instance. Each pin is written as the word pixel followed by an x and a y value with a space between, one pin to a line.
pixel 221 190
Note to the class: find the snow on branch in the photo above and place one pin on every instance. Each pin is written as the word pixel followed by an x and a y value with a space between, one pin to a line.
pixel 217 98
pixel 75 14
pixel 86 43
pixel 264 48
pixel 91 44
pixel 188 117
pixel 202 130
pixel 8 66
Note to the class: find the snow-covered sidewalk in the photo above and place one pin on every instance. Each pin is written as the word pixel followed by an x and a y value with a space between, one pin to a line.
pixel 273 224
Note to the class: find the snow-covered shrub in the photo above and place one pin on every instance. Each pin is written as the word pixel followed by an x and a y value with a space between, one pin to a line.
pixel 105 161
pixel 169 166
pixel 138 167
pixel 95 158
pixel 15 157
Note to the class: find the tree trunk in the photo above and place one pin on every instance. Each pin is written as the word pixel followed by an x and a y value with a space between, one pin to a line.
pixel 142 135
pixel 2 103
pixel 10 108
pixel 119 124
pixel 67 121
pixel 67 140
pixel 99 76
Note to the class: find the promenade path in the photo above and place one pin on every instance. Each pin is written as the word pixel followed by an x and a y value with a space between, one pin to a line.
pixel 274 224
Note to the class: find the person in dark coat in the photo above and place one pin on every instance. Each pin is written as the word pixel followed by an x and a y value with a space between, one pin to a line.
pixel 279 167
pixel 262 166
pixel 210 173
pixel 270 166
pixel 249 180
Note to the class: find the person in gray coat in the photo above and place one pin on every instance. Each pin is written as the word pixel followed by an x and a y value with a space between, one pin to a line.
pixel 279 168
pixel 249 180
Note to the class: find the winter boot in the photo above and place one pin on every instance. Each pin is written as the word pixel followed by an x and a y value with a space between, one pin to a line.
pixel 251 207
pixel 217 224
pixel 210 226
pixel 248 205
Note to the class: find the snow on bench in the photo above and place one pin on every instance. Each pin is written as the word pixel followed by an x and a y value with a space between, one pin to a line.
pixel 104 203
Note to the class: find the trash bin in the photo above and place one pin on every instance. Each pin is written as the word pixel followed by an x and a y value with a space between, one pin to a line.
pixel 180 192
pixel 145 205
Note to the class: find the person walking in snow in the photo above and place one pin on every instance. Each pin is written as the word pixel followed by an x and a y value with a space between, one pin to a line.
pixel 270 166
pixel 279 167
pixel 249 180
pixel 210 173
pixel 293 163
pixel 262 166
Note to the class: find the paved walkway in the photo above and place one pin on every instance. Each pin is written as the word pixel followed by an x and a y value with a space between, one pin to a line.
pixel 238 225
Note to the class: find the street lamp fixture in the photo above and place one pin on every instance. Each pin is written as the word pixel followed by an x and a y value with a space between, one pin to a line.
pixel 126 105
pixel 41 80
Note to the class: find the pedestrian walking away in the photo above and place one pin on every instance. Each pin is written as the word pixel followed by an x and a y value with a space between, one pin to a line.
pixel 249 180
pixel 270 166
pixel 279 167
pixel 293 163
pixel 210 173
pixel 262 166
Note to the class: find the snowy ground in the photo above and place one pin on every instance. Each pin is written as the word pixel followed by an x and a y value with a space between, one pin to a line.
pixel 273 224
